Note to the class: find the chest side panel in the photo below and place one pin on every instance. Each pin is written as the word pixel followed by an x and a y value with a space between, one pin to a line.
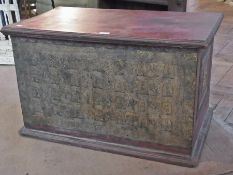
pixel 140 94
pixel 205 57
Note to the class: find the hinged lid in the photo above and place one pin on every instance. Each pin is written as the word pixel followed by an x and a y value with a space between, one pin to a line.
pixel 136 27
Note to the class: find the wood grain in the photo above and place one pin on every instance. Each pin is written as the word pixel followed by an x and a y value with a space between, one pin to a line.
pixel 95 25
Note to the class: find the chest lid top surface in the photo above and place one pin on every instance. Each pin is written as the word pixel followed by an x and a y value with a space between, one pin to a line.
pixel 121 26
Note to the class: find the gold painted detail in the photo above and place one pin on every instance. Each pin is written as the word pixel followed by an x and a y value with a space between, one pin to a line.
pixel 142 94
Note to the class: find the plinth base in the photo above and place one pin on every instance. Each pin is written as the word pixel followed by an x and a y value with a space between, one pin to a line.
pixel 144 153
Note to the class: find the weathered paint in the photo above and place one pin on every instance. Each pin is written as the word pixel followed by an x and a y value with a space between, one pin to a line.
pixel 137 86
pixel 175 29
pixel 138 93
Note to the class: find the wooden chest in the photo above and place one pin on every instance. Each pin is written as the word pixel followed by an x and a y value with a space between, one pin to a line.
pixel 135 83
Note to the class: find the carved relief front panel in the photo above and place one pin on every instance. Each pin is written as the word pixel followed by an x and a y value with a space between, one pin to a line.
pixel 136 93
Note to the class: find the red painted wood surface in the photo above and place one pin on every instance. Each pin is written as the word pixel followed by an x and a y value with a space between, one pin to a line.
pixel 162 27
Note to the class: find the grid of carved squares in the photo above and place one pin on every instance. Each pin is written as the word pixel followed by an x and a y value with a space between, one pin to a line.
pixel 147 96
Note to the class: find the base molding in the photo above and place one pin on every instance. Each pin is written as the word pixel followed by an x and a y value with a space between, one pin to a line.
pixel 144 153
